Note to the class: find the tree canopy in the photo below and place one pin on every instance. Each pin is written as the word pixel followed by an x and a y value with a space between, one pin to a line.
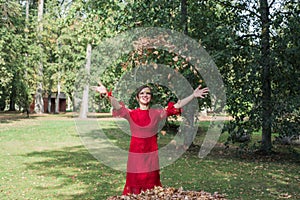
pixel 255 45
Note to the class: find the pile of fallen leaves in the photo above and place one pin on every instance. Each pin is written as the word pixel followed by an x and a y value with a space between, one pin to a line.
pixel 170 193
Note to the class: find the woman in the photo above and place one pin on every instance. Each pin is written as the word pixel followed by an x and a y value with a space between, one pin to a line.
pixel 143 163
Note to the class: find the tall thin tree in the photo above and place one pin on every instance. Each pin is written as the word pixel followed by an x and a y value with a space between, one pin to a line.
pixel 184 16
pixel 266 80
pixel 85 95
pixel 39 103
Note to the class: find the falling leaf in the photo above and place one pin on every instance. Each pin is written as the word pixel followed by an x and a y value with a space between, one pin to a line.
pixel 163 132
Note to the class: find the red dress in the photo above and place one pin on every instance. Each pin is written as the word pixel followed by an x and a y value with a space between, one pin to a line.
pixel 143 163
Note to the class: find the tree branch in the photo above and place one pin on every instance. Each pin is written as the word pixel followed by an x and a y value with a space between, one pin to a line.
pixel 226 4
pixel 248 35
pixel 271 4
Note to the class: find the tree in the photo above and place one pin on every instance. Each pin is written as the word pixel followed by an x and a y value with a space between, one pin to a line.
pixel 251 78
pixel 39 102
pixel 184 16
pixel 286 75
pixel 13 48
pixel 266 63
pixel 84 104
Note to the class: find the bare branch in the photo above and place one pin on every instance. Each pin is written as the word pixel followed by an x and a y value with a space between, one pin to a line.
pixel 248 35
pixel 271 4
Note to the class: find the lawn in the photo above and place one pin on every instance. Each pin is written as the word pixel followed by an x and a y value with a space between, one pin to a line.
pixel 43 157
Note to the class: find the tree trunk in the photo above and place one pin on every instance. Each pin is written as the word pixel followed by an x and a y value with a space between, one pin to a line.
pixel 12 102
pixel 69 101
pixel 12 96
pixel 39 103
pixel 57 97
pixel 188 138
pixel 49 101
pixel 27 13
pixel 27 104
pixel 184 17
pixel 85 96
pixel 266 144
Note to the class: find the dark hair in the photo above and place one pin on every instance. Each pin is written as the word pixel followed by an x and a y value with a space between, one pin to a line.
pixel 141 88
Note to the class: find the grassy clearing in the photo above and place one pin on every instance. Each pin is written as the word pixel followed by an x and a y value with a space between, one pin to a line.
pixel 43 158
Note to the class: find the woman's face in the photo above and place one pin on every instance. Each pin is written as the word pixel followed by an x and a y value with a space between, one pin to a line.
pixel 144 96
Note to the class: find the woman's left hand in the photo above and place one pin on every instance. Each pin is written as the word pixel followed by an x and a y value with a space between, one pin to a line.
pixel 201 92
pixel 100 89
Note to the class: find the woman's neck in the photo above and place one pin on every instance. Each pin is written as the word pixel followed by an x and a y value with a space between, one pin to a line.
pixel 144 107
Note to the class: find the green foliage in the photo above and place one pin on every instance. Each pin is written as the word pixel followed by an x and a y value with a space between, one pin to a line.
pixel 242 72
pixel 12 56
pixel 224 33
pixel 228 30
pixel 286 75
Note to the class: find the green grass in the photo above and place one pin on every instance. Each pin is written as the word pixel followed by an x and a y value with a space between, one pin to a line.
pixel 43 157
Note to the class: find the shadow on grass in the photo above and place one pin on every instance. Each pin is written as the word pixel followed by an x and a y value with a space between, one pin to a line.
pixel 80 175
pixel 6 119
pixel 14 116
pixel 280 155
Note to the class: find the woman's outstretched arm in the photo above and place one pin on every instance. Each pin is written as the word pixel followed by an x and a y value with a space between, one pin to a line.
pixel 103 91
pixel 114 102
pixel 198 93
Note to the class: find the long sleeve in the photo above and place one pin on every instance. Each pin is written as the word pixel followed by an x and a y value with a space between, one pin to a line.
pixel 123 112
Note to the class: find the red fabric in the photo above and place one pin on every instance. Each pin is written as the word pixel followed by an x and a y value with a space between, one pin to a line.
pixel 171 110
pixel 143 162
pixel 109 93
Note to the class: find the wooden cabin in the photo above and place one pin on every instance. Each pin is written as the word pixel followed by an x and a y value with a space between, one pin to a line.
pixel 62 103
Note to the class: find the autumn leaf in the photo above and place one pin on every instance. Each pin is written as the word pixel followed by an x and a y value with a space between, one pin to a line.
pixel 170 193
